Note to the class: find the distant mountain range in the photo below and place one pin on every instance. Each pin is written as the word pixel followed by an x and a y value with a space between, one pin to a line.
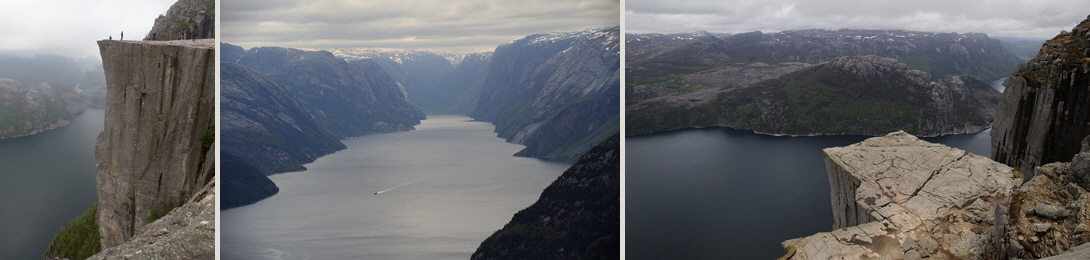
pixel 866 95
pixel 558 94
pixel 429 78
pixel 754 81
pixel 939 54
pixel 30 109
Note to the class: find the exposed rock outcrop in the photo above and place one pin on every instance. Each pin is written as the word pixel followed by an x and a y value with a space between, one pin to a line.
pixel 160 103
pixel 1045 111
pixel 1046 216
pixel 27 110
pixel 577 216
pixel 928 200
pixel 867 95
pixel 532 80
pixel 186 19
pixel 1081 252
pixel 187 232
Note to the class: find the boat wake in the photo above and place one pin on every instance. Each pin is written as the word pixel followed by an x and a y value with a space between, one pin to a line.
pixel 411 182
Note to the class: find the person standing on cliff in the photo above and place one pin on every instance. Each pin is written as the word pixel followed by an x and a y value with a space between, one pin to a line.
pixel 122 35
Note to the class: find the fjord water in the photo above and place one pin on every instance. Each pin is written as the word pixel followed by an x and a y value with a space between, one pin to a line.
pixel 720 193
pixel 445 187
pixel 46 180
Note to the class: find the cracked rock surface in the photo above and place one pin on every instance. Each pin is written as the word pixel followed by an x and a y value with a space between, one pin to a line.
pixel 896 196
pixel 187 232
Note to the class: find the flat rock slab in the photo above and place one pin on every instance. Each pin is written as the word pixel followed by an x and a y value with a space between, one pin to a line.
pixel 921 197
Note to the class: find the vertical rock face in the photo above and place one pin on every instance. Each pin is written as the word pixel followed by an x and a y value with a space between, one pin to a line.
pixel 1045 110
pixel 924 199
pixel 188 232
pixel 189 19
pixel 558 94
pixel 160 103
pixel 577 216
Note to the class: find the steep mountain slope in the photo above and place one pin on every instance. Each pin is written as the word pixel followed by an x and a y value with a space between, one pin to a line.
pixel 1045 111
pixel 243 183
pixel 346 100
pixel 419 72
pixel 433 80
pixel 266 125
pixel 230 53
pixel 467 77
pixel 577 217
pixel 849 95
pixel 556 93
pixel 186 19
pixel 27 110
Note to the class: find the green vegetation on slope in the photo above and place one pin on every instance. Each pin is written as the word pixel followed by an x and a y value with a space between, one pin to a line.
pixel 79 239
pixel 668 77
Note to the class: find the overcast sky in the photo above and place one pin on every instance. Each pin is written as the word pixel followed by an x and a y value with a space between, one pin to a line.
pixel 1013 18
pixel 71 27
pixel 437 25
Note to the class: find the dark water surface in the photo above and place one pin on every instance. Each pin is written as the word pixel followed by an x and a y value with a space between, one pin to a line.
pixel 719 193
pixel 445 187
pixel 46 180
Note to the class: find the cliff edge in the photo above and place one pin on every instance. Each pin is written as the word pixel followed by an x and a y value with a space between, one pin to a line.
pixel 160 103
pixel 1045 109
pixel 923 200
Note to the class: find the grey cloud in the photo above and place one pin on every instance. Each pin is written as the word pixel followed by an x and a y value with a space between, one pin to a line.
pixel 70 28
pixel 430 24
pixel 1039 19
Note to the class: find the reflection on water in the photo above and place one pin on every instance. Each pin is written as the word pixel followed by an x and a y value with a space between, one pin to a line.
pixel 445 187
pixel 718 193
